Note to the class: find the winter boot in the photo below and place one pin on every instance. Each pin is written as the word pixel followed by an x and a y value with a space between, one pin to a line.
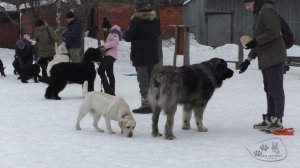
pixel 264 124
pixel 144 109
pixel 276 123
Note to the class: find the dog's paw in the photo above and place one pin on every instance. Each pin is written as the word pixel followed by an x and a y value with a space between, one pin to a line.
pixel 78 128
pixel 170 136
pixel 156 134
pixel 99 130
pixel 111 132
pixel 186 127
pixel 202 129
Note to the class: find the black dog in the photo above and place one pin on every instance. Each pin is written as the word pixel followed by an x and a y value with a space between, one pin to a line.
pixel 30 71
pixel 67 72
pixel 2 68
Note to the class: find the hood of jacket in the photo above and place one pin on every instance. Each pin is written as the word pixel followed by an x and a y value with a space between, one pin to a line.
pixel 260 3
pixel 149 15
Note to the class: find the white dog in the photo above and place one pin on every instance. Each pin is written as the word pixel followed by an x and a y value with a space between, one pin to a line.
pixel 110 107
pixel 60 56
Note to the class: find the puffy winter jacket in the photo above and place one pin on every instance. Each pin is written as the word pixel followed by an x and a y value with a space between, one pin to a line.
pixel 143 33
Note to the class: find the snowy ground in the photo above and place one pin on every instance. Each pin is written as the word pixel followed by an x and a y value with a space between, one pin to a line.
pixel 40 133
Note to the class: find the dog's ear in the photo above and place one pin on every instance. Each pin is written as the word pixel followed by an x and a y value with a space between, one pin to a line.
pixel 122 123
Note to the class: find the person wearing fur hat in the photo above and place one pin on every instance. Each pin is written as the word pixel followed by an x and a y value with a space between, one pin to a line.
pixel 72 36
pixel 45 38
pixel 269 48
pixel 143 33
pixel 106 68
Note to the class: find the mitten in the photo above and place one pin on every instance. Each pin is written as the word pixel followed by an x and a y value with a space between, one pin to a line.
pixel 243 67
pixel 251 44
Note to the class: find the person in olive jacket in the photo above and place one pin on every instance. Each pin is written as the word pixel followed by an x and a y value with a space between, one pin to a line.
pixel 143 33
pixel 269 48
pixel 45 38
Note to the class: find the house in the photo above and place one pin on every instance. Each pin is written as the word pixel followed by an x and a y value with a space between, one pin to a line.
pixel 120 13
pixel 216 22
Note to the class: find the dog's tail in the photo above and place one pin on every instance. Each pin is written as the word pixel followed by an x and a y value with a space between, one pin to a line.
pixel 85 88
pixel 163 83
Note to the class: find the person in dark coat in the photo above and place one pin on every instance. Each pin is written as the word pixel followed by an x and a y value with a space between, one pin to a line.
pixel 106 27
pixel 143 33
pixel 72 36
pixel 24 55
pixel 269 48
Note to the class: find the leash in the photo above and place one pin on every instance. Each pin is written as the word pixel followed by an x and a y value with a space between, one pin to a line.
pixel 101 87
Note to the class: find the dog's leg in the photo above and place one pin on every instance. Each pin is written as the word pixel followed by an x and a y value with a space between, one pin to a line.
pixel 35 79
pixel 198 111
pixel 95 123
pixel 2 72
pixel 48 92
pixel 170 123
pixel 155 117
pixel 187 113
pixel 108 125
pixel 82 113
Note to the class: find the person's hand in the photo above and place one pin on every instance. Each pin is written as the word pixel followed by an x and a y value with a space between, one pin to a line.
pixel 251 44
pixel 243 67
pixel 33 42
pixel 103 50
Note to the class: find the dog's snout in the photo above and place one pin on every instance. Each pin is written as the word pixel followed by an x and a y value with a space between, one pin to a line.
pixel 130 134
pixel 229 73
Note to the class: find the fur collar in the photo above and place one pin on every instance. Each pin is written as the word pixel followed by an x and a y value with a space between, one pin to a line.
pixel 146 15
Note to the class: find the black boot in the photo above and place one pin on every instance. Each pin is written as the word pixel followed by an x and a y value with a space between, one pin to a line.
pixel 144 109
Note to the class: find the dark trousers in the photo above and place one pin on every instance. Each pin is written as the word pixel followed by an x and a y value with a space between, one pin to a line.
pixel 106 70
pixel 273 86
pixel 143 77
pixel 43 62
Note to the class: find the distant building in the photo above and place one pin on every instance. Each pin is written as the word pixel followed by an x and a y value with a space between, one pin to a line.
pixel 219 22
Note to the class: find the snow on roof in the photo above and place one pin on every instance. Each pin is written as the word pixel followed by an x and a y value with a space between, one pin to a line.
pixel 186 2
pixel 8 7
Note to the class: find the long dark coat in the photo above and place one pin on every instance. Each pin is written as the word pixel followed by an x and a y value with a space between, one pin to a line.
pixel 143 33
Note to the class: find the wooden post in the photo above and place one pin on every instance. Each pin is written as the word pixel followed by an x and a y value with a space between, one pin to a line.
pixel 182 44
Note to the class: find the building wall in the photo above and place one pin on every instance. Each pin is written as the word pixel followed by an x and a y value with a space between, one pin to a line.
pixel 120 14
pixel 242 20
pixel 9 32
pixel 117 13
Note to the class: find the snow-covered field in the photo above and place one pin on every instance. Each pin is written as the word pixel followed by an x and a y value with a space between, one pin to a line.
pixel 40 133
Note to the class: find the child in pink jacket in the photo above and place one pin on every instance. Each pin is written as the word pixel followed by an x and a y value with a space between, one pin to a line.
pixel 106 68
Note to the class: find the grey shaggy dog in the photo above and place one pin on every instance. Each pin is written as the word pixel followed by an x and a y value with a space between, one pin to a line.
pixel 191 86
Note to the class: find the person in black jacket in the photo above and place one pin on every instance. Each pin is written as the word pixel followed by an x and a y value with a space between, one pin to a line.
pixel 72 36
pixel 143 33
pixel 24 55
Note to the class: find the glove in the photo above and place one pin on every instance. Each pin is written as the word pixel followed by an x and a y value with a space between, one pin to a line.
pixel 251 44
pixel 33 42
pixel 243 67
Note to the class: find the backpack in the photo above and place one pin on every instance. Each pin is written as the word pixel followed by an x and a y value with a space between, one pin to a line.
pixel 287 34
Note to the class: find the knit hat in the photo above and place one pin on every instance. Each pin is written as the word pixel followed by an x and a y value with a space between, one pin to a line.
pixel 246 1
pixel 142 5
pixel 69 15
pixel 116 29
pixel 20 43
